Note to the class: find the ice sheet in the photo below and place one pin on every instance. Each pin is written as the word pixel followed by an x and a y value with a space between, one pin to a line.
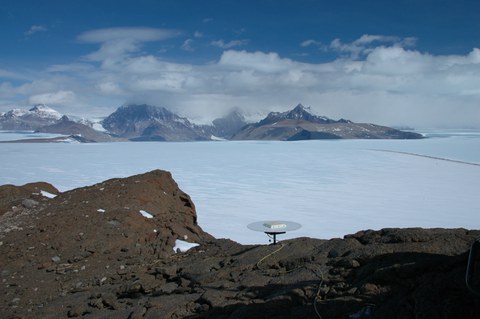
pixel 332 188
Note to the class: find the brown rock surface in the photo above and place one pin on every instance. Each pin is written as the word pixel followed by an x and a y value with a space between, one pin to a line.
pixel 68 259
pixel 11 195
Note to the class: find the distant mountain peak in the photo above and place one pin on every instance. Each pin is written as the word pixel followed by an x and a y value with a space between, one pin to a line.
pixel 147 122
pixel 44 111
pixel 298 113
pixel 145 112
pixel 300 107
pixel 300 124
pixel 36 117
pixel 15 113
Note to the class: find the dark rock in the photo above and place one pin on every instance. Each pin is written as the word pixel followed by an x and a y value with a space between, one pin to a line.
pixel 29 203
pixel 11 195
pixel 126 270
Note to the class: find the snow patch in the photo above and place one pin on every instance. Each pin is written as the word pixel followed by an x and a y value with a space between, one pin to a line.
pixel 216 138
pixel 47 194
pixel 183 246
pixel 146 214
pixel 17 112
pixel 46 112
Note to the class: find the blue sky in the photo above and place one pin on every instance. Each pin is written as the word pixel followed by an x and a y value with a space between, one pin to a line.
pixel 399 62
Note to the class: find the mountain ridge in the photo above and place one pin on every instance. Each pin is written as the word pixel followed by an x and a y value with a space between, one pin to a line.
pixel 39 115
pixel 143 122
pixel 300 124
pixel 85 134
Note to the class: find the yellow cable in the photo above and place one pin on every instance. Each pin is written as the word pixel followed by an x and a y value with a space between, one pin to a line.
pixel 257 265
pixel 272 253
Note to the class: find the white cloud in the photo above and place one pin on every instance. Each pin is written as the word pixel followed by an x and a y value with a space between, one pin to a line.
pixel 12 75
pixel 228 45
pixel 258 61
pixel 379 79
pixel 116 43
pixel 35 29
pixel 53 98
pixel 363 45
pixel 188 45
pixel 109 88
pixel 135 34
pixel 310 42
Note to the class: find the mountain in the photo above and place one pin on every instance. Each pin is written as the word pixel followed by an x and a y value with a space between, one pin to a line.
pixel 152 123
pixel 300 124
pixel 83 132
pixel 224 128
pixel 299 113
pixel 38 116
pixel 228 125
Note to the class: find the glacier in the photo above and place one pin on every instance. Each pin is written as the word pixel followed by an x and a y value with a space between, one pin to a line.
pixel 331 188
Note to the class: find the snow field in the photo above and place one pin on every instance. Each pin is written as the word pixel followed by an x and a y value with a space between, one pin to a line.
pixel 332 188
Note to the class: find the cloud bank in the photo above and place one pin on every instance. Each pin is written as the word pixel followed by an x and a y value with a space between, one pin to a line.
pixel 376 78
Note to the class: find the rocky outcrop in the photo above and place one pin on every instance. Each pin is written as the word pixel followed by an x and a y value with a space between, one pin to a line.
pixel 12 197
pixel 92 253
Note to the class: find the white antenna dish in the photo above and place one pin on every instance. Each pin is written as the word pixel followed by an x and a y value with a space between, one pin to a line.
pixel 274 227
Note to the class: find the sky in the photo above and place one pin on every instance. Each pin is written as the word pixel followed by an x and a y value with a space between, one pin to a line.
pixel 412 63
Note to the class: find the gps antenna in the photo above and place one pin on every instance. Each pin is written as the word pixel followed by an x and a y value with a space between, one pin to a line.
pixel 273 227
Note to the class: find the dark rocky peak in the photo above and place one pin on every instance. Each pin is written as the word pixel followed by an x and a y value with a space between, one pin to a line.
pixel 64 119
pixel 147 122
pixel 342 120
pixel 41 110
pixel 145 112
pixel 299 113
pixel 140 113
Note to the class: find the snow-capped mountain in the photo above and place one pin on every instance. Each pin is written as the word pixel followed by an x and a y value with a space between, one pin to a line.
pixel 38 116
pixel 43 111
pixel 147 123
pixel 300 124
pixel 152 123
